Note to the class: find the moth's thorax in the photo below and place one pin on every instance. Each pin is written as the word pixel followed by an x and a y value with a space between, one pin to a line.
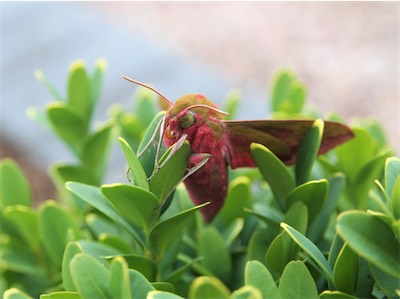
pixel 183 118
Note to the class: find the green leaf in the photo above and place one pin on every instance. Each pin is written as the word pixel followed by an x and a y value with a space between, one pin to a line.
pixel 76 173
pixel 14 188
pixel 312 194
pixel 297 282
pixel 308 151
pixel 100 225
pixel 68 125
pixel 392 172
pixel 164 234
pixel 136 205
pixel 318 226
pixel 216 258
pixel 162 295
pixel 90 277
pixel 55 222
pixel 149 139
pixel 259 243
pixel 231 103
pixel 72 249
pixel 14 293
pixel 387 283
pixel 116 242
pixel 279 253
pixel 97 82
pixel 145 108
pixel 119 279
pixel 246 292
pixel 78 92
pixel 258 276
pixel 142 264
pixel 350 163
pixel 138 173
pixel 334 250
pixel 336 295
pixel 396 199
pixel 61 295
pixel 311 249
pixel 19 261
pixel 273 171
pixel 95 150
pixel 163 286
pixel 282 249
pixel 171 172
pixel 231 232
pixel 297 217
pixel 372 239
pixel 140 286
pixel 94 197
pixel 98 250
pixel 238 198
pixel 208 288
pixel 345 272
pixel 288 94
pixel 43 80
pixel 366 176
pixel 25 220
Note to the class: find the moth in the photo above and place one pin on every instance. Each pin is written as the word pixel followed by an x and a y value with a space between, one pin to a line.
pixel 227 142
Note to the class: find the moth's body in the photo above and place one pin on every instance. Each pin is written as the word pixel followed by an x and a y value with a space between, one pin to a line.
pixel 228 143
pixel 206 135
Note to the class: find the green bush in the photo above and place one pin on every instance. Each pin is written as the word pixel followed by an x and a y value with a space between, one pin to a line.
pixel 326 227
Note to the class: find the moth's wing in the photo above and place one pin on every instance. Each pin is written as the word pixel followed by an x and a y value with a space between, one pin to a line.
pixel 282 137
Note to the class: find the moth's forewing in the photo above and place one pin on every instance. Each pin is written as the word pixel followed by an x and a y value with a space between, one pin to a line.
pixel 282 137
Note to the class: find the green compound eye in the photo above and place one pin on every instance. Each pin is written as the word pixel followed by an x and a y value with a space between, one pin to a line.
pixel 186 120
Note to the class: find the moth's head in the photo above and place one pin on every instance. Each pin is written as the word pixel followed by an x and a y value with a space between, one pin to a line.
pixel 188 111
pixel 185 113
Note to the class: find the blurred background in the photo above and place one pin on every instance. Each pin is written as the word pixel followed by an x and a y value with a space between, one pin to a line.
pixel 346 53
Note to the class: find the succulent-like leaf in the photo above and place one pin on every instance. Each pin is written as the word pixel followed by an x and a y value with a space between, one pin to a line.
pixel 258 276
pixel 140 286
pixel 308 151
pixel 274 172
pixel 90 277
pixel 119 279
pixel 345 272
pixel 71 250
pixel 166 232
pixel 79 89
pixel 138 173
pixel 54 224
pixel 238 198
pixel 216 257
pixel 311 249
pixel 372 239
pixel 208 288
pixel 94 197
pixel 297 282
pixel 14 188
pixel 136 205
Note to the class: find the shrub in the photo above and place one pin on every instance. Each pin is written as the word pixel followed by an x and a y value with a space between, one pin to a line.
pixel 326 227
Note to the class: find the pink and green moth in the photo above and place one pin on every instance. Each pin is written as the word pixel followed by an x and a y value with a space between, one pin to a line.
pixel 195 118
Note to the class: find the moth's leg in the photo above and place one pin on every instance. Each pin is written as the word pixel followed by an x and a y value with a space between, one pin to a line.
pixel 198 161
pixel 153 137
pixel 173 149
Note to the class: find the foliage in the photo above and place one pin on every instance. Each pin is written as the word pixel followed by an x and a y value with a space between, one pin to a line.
pixel 327 227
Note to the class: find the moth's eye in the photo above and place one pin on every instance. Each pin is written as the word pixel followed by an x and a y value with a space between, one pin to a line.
pixel 186 120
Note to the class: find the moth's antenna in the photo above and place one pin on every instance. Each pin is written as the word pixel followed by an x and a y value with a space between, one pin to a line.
pixel 149 87
pixel 208 107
